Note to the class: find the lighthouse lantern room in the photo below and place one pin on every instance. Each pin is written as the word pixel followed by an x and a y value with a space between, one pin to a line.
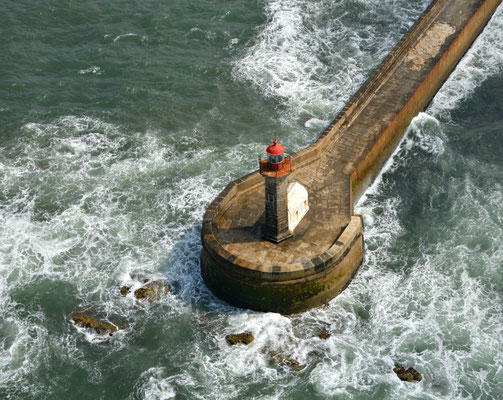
pixel 277 164
pixel 275 156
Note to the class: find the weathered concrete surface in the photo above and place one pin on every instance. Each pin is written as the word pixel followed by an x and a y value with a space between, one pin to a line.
pixel 327 246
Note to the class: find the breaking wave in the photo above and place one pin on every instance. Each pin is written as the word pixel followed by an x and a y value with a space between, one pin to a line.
pixel 87 205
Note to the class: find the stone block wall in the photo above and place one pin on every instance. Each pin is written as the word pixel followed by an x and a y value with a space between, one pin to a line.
pixel 286 292
pixel 371 164
pixel 276 209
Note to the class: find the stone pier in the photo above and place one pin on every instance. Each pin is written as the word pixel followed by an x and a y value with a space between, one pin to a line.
pixel 326 248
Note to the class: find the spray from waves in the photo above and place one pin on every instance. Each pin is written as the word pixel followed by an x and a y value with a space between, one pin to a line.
pixel 86 197
pixel 86 207
pixel 80 180
pixel 431 290
pixel 483 60
pixel 417 303
pixel 314 55
pixel 153 385
pixel 434 299
pixel 384 316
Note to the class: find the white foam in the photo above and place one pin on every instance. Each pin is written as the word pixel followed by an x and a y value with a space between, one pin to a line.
pixel 94 337
pixel 113 215
pixel 312 56
pixel 154 385
pixel 91 70
pixel 17 357
pixel 76 169
pixel 130 35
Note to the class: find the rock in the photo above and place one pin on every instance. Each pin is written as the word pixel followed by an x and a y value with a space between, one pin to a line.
pixel 323 334
pixel 125 290
pixel 150 290
pixel 289 362
pixel 240 338
pixel 409 374
pixel 143 293
pixel 88 322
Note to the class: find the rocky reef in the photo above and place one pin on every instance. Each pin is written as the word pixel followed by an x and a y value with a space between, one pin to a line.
pixel 408 375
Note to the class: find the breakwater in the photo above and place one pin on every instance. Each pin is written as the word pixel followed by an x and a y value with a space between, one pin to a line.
pixel 327 247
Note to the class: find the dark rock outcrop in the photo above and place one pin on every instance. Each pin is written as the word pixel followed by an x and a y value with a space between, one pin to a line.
pixel 151 290
pixel 408 375
pixel 144 292
pixel 125 290
pixel 240 338
pixel 86 321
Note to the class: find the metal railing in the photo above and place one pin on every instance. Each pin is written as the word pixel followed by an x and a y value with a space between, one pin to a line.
pixel 286 167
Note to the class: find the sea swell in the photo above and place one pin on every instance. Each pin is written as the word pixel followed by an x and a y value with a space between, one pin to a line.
pixel 87 205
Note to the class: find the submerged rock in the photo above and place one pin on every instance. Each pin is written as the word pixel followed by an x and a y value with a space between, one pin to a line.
pixel 86 321
pixel 125 290
pixel 240 338
pixel 408 375
pixel 323 334
pixel 289 362
pixel 151 290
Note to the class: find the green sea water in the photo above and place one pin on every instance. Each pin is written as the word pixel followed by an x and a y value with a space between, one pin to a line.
pixel 120 122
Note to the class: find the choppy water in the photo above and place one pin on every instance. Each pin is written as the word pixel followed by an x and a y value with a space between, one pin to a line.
pixel 120 121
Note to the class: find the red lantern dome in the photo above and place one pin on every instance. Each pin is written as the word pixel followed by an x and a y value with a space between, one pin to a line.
pixel 275 149
pixel 278 163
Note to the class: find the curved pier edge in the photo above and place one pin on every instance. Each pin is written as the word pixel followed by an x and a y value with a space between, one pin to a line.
pixel 250 289
pixel 303 284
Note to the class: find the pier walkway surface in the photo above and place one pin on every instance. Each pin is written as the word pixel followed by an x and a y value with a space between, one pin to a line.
pixel 347 156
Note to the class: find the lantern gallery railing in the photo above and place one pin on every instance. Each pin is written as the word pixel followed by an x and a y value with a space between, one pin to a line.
pixel 284 168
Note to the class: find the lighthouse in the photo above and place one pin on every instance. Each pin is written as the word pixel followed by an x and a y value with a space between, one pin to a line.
pixel 275 169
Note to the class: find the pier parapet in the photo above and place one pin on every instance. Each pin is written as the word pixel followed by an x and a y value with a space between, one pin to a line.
pixel 296 270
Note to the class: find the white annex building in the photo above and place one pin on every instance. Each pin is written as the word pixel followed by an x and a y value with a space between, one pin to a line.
pixel 298 204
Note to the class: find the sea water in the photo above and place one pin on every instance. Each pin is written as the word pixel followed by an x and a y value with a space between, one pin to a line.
pixel 121 121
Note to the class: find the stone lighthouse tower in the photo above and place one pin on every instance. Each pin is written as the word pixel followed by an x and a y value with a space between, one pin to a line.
pixel 275 170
